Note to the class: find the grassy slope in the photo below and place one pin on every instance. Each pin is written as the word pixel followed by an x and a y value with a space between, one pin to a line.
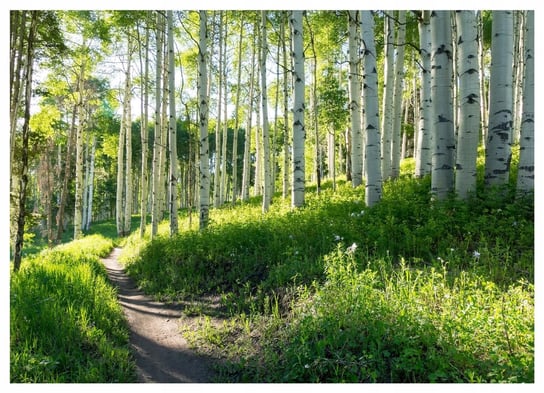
pixel 65 323
pixel 432 292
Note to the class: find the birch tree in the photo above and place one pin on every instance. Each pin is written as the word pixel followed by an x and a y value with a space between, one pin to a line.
pixel 217 163
pixel 441 95
pixel 526 167
pixel 499 136
pixel 425 125
pixel 299 133
pixel 203 120
pixel 246 170
pixel 157 134
pixel 236 118
pixel 389 78
pixel 371 124
pixel 172 142
pixel 355 100
pixel 144 105
pixel 469 93
pixel 267 192
pixel 397 96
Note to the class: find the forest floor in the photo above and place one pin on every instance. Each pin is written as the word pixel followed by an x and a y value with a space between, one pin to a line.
pixel 160 351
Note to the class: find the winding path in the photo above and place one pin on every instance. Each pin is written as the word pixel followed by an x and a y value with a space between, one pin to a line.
pixel 160 351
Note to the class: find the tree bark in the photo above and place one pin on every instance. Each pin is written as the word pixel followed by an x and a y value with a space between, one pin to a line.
pixel 441 93
pixel 267 197
pixel 387 122
pixel 469 93
pixel 173 172
pixel 355 100
pixel 425 125
pixel 371 125
pixel 299 132
pixel 499 138
pixel 397 96
pixel 203 121
pixel 526 167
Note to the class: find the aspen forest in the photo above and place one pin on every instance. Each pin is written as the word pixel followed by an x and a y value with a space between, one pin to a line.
pixel 321 196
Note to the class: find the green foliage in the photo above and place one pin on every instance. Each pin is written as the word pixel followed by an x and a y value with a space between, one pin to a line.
pixel 411 290
pixel 65 323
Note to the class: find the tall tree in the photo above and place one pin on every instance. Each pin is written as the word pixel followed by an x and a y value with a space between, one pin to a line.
pixel 355 100
pixel 469 94
pixel 267 189
pixel 526 167
pixel 236 111
pixel 246 170
pixel 23 174
pixel 173 173
pixel 499 138
pixel 217 162
pixel 397 95
pixel 441 93
pixel 387 105
pixel 299 132
pixel 144 105
pixel 371 126
pixel 157 138
pixel 425 125
pixel 203 120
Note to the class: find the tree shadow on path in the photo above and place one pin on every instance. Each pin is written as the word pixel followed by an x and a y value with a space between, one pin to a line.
pixel 160 351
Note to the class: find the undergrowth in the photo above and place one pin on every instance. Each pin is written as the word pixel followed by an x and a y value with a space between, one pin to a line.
pixel 65 322
pixel 411 290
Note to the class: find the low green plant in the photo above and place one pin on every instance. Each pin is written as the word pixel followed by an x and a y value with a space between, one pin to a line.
pixel 65 322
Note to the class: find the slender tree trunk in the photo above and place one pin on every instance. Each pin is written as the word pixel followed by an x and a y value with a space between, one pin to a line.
pixel 127 216
pixel 397 96
pixel 155 204
pixel 499 139
pixel 66 178
pixel 203 121
pixel 224 174
pixel 526 168
pixel 217 161
pixel 164 181
pixel 426 126
pixel 387 122
pixel 267 197
pixel 78 208
pixel 17 62
pixel 441 93
pixel 23 175
pixel 286 166
pixel 483 92
pixel 469 93
pixel 120 193
pixel 246 172
pixel 144 104
pixel 299 132
pixel 236 117
pixel 173 173
pixel 371 126
pixel 90 185
pixel 355 101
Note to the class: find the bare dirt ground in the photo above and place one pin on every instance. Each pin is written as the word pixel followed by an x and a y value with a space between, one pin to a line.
pixel 160 351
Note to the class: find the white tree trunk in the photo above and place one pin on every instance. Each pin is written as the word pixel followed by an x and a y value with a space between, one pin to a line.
pixel 217 162
pixel 299 132
pixel 286 156
pixel 441 93
pixel 499 137
pixel 224 174
pixel 526 169
pixel 173 172
pixel 236 118
pixel 128 139
pixel 469 94
pixel 425 126
pixel 246 170
pixel 371 126
pixel 355 100
pixel 78 208
pixel 203 121
pixel 387 122
pixel 156 185
pixel 143 135
pixel 90 184
pixel 267 191
pixel 397 96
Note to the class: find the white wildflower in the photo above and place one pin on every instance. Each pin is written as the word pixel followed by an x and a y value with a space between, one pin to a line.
pixel 351 249
pixel 338 238
pixel 476 254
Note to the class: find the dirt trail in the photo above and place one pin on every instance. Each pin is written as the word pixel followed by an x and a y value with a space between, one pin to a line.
pixel 160 351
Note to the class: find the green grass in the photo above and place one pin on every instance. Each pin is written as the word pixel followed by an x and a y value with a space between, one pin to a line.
pixel 65 322
pixel 435 291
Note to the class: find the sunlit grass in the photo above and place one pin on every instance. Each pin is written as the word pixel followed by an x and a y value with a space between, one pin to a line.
pixel 65 322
